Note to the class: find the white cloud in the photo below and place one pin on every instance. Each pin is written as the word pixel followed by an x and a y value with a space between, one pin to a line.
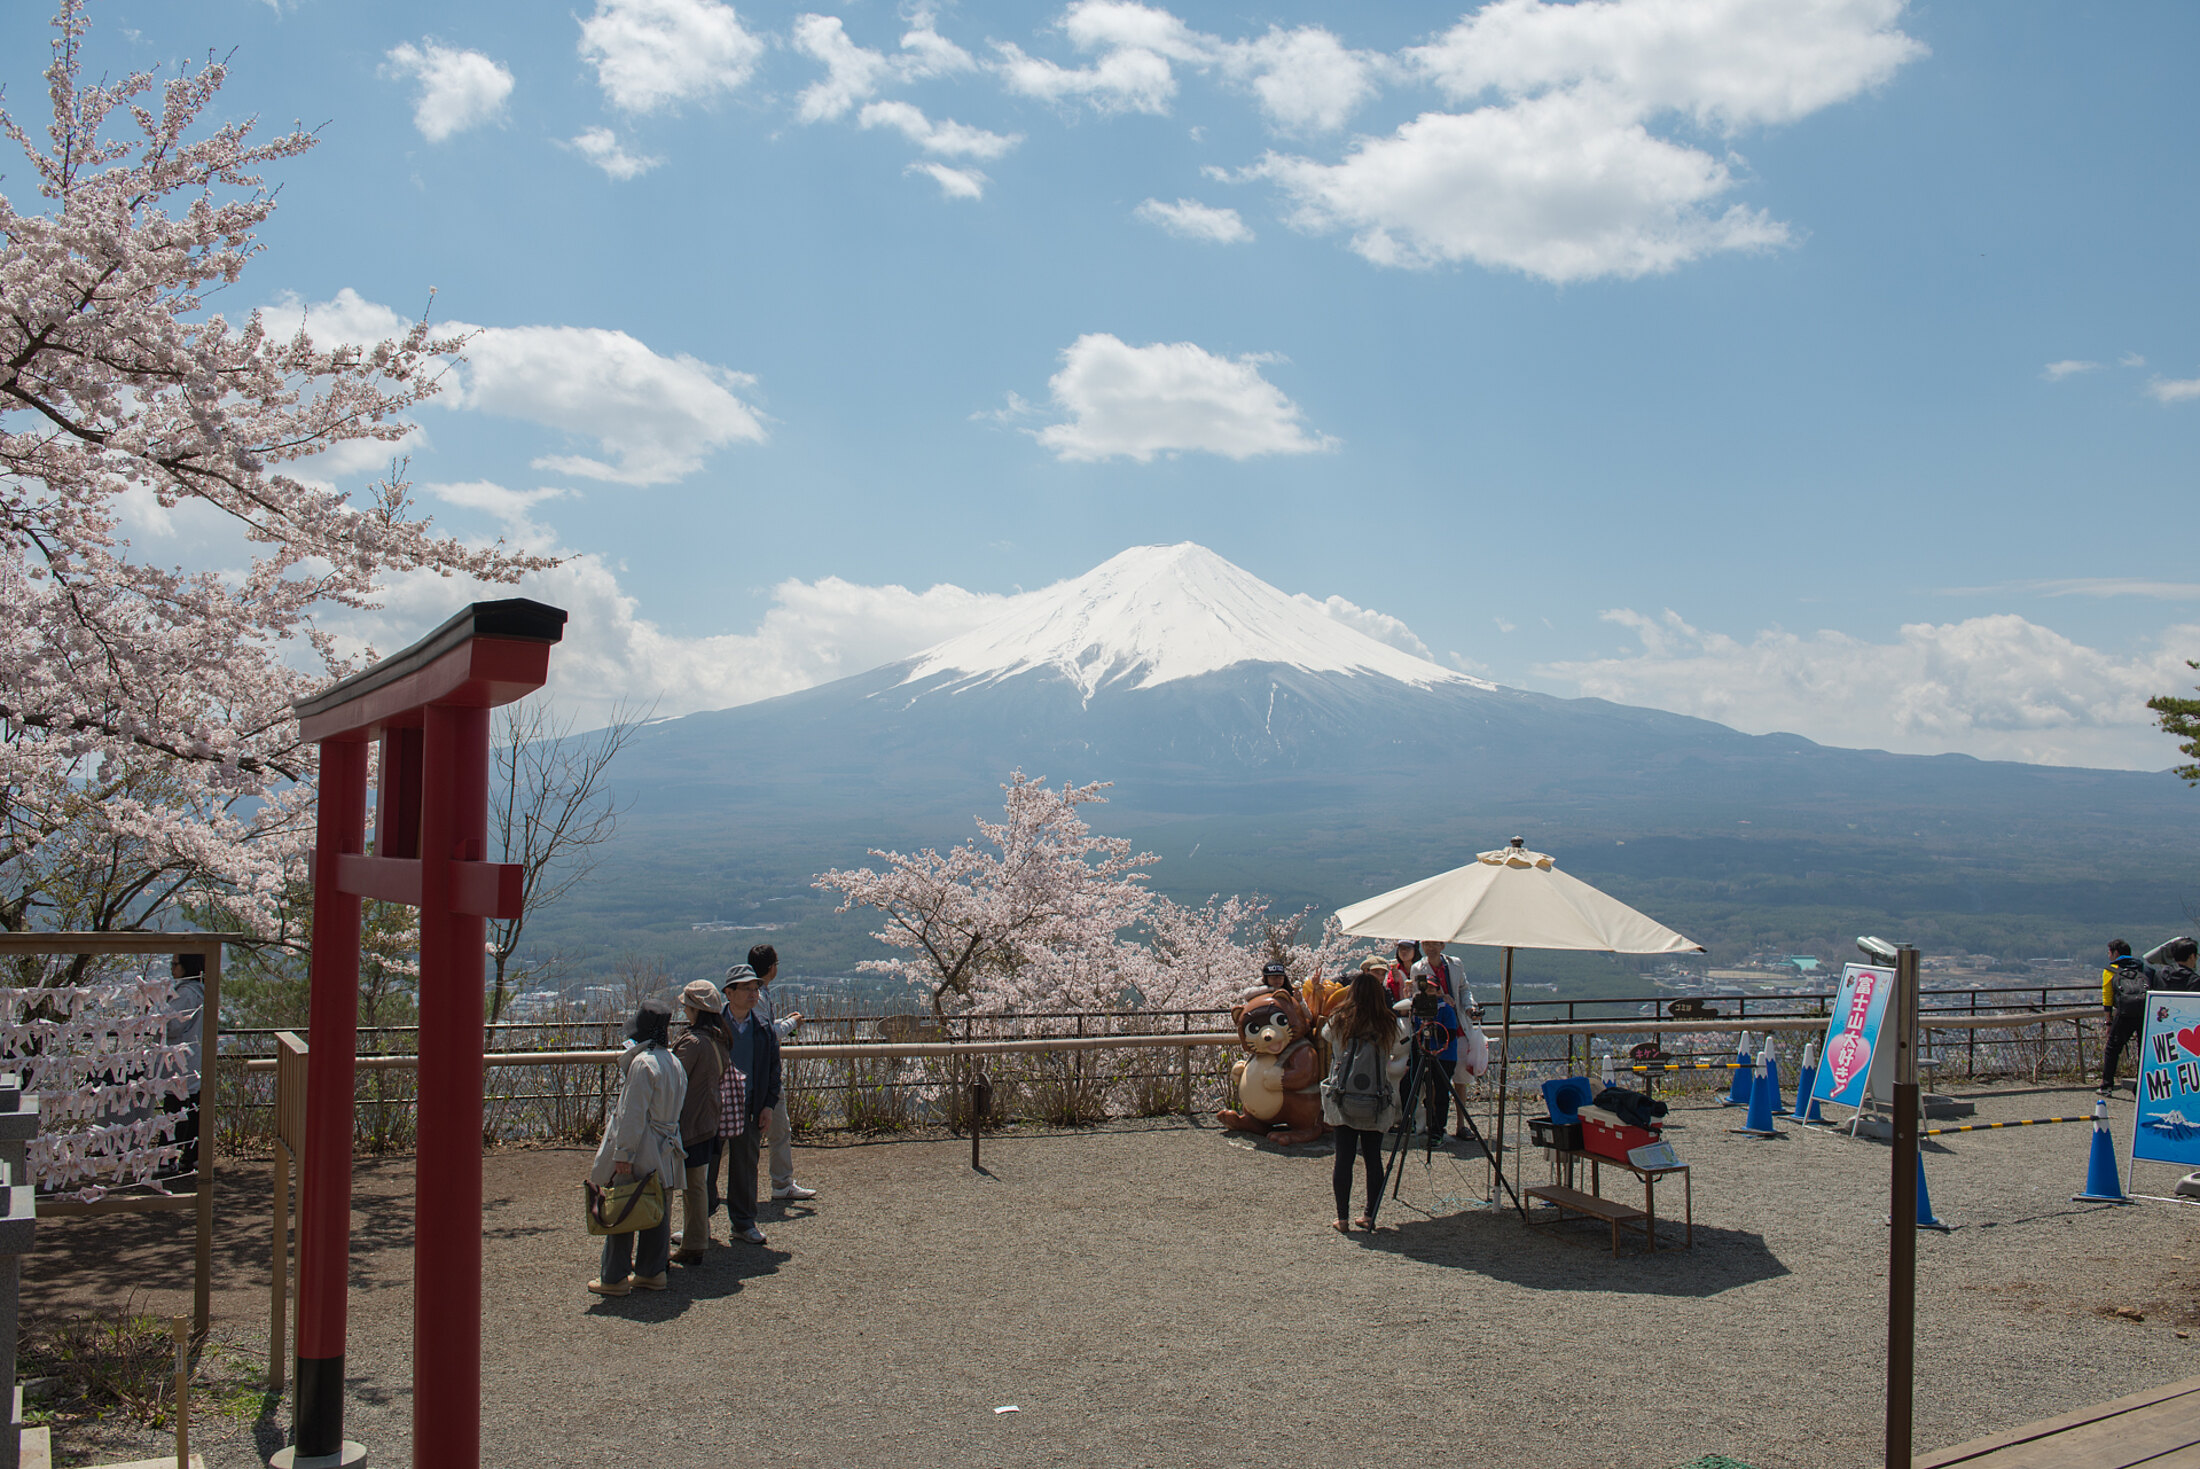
pixel 927 53
pixel 2055 372
pixel 1380 626
pixel 1997 687
pixel 855 73
pixel 513 509
pixel 1561 186
pixel 650 54
pixel 1559 175
pixel 1122 81
pixel 601 147
pixel 949 139
pixel 657 418
pixel 458 89
pixel 363 456
pixel 1196 221
pixel 1013 407
pixel 812 633
pixel 955 183
pixel 2174 390
pixel 2131 359
pixel 852 73
pixel 347 320
pixel 1166 398
pixel 1123 25
pixel 1136 47
pixel 1725 63
pixel 1307 80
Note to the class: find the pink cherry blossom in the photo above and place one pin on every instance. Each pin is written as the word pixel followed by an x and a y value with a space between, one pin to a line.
pixel 147 750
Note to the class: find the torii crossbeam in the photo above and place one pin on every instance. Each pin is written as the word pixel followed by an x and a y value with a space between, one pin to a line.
pixel 429 706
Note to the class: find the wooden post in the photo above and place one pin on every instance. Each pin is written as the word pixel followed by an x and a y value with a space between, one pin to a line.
pixel 1496 1149
pixel 446 1406
pixel 1902 1215
pixel 202 1287
pixel 324 1165
pixel 183 1392
pixel 290 1107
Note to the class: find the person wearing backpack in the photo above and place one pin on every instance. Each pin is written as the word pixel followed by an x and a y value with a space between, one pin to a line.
pixel 2124 986
pixel 1360 1097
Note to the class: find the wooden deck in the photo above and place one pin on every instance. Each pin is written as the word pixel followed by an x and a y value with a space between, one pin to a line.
pixel 2159 1428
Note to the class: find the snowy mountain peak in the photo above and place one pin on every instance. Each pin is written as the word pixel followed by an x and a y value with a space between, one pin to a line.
pixel 1155 614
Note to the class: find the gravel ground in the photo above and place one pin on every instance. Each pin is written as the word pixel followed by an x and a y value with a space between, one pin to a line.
pixel 1156 1293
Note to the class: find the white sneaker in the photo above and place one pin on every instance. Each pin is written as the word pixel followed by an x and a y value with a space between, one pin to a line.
pixel 753 1235
pixel 794 1191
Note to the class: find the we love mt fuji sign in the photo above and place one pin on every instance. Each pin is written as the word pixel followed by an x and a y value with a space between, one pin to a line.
pixel 1852 1036
pixel 2167 1126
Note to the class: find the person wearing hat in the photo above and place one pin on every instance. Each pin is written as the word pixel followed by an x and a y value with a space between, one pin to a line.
pixel 703 1051
pixel 747 1094
pixel 643 1137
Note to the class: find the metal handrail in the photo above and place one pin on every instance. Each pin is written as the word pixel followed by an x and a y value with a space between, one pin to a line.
pixel 1785 1005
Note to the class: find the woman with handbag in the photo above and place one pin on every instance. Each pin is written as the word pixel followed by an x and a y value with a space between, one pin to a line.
pixel 640 1158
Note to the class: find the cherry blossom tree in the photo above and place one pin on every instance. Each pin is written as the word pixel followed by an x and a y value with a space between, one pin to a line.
pixel 1029 916
pixel 1199 958
pixel 147 751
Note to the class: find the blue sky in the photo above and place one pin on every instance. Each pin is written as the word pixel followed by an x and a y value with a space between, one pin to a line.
pixel 1818 366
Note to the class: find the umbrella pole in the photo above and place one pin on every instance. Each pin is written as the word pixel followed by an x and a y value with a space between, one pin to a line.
pixel 1504 1071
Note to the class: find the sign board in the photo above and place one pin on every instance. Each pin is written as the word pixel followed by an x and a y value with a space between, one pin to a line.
pixel 2166 1128
pixel 1850 1064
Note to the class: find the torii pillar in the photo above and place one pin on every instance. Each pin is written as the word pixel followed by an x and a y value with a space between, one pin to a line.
pixel 429 706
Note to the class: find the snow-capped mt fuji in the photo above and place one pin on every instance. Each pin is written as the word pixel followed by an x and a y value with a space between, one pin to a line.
pixel 1260 743
pixel 1156 615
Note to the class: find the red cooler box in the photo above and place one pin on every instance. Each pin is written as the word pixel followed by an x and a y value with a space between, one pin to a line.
pixel 1604 1134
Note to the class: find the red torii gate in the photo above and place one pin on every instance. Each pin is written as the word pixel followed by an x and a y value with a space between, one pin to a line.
pixel 429 706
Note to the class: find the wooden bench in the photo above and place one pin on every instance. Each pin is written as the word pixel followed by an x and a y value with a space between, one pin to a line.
pixel 1569 1200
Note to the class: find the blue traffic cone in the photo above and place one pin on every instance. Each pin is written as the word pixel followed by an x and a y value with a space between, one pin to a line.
pixel 2102 1186
pixel 1772 1073
pixel 1737 1095
pixel 1764 1099
pixel 1925 1216
pixel 1609 1078
pixel 1806 1105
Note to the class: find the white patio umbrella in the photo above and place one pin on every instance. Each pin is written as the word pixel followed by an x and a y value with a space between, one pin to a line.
pixel 1511 899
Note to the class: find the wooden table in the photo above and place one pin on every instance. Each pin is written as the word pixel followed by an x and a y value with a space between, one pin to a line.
pixel 1562 1195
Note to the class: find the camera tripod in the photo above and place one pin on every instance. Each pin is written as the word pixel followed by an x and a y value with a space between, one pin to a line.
pixel 1426 1072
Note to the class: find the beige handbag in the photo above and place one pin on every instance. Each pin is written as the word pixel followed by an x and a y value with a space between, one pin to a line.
pixel 625 1208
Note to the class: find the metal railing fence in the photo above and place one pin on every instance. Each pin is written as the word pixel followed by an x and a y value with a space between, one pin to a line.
pixel 568 1093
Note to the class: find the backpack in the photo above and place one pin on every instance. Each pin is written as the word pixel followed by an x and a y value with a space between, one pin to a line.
pixel 1360 1089
pixel 2130 981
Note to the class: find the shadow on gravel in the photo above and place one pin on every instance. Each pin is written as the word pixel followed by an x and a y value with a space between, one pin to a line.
pixel 722 1273
pixel 1500 1246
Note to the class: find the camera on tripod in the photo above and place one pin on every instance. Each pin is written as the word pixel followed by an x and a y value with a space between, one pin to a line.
pixel 1429 1032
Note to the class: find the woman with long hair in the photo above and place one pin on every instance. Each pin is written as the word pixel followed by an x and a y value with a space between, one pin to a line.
pixel 1363 1023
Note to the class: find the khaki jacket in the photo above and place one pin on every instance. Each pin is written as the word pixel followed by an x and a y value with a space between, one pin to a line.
pixel 704 1057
